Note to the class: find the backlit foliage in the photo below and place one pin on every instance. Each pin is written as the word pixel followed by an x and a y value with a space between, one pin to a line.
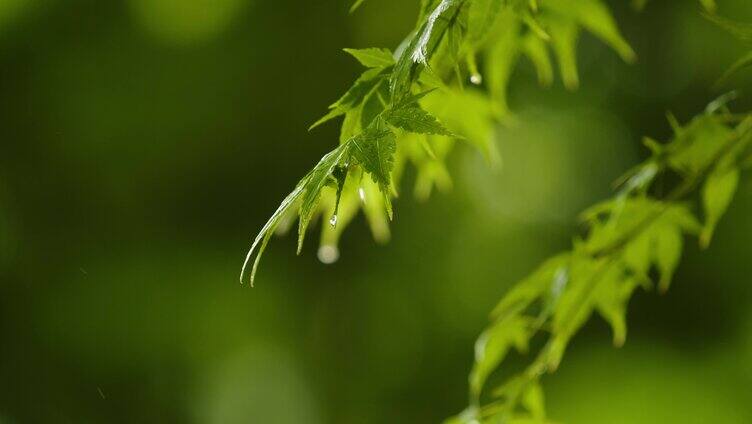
pixel 447 82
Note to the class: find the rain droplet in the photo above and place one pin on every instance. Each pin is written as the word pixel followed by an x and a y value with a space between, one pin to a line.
pixel 333 221
pixel 476 79
pixel 362 194
pixel 328 254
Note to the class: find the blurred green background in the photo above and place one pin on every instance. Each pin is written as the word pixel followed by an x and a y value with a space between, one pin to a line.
pixel 143 143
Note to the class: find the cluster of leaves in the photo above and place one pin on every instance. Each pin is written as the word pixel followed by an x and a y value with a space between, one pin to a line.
pixel 413 104
pixel 633 240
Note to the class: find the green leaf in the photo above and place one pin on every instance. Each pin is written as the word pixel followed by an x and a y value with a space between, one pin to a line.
pixel 594 16
pixel 355 95
pixel 533 400
pixel 501 58
pixel 717 194
pixel 576 303
pixel 493 345
pixel 422 45
pixel 468 113
pixel 697 145
pixel 316 181
pixel 636 254
pixel 374 149
pixel 564 36
pixel 537 51
pixel 482 16
pixel 268 229
pixel 416 120
pixel 611 298
pixel 532 288
pixel 667 250
pixel 372 57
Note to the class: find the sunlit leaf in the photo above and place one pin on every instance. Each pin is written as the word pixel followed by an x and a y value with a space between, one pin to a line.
pixel 717 194
pixel 667 250
pixel 534 401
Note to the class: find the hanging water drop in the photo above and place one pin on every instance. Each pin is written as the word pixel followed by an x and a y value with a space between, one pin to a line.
pixel 328 254
pixel 476 79
pixel 333 221
pixel 362 194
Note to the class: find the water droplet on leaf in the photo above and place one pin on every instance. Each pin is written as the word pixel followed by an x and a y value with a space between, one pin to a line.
pixel 333 220
pixel 328 254
pixel 476 79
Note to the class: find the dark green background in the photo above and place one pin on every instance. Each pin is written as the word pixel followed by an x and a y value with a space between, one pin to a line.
pixel 143 143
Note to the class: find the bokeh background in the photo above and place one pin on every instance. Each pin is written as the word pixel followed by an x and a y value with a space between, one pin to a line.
pixel 143 143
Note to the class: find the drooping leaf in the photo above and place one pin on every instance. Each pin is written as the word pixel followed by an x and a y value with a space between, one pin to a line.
pixel 717 194
pixel 667 250
pixel 374 149
pixel 594 16
pixel 501 58
pixel 534 401
pixel 316 181
pixel 612 295
pixel 564 36
pixel 576 302
pixel 493 345
pixel 537 51
pixel 268 229
pixel 637 255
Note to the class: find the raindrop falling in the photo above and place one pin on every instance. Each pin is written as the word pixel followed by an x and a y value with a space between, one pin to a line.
pixel 333 221
pixel 328 254
pixel 476 79
pixel 362 194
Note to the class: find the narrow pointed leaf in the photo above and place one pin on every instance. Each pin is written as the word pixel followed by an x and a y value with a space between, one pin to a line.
pixel 313 186
pixel 717 194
